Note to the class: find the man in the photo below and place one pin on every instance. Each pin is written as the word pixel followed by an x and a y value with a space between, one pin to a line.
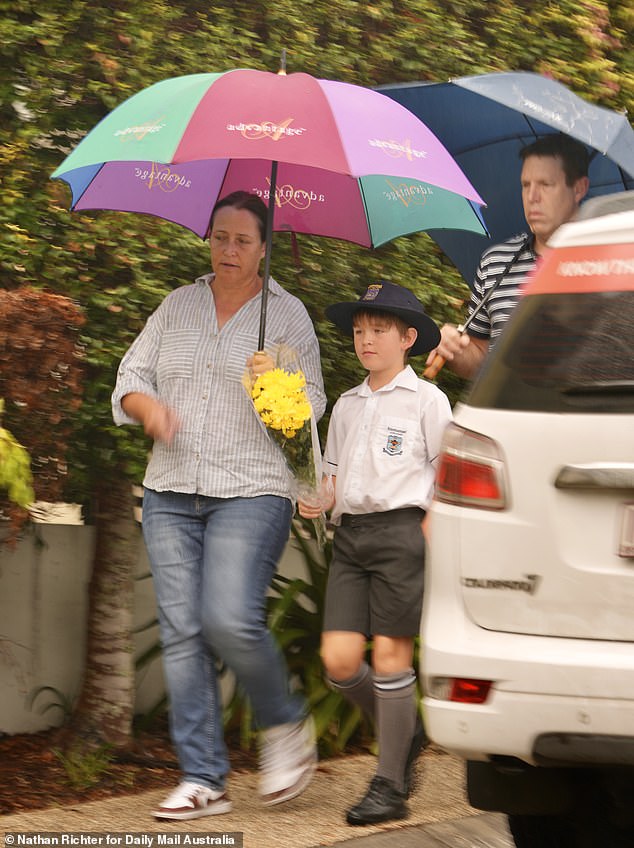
pixel 554 181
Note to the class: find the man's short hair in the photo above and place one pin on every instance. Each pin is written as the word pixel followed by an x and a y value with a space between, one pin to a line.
pixel 573 154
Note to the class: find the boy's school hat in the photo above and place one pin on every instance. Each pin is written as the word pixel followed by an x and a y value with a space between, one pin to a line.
pixel 390 297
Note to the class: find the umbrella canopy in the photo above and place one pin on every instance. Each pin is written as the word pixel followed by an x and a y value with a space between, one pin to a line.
pixel 484 121
pixel 354 163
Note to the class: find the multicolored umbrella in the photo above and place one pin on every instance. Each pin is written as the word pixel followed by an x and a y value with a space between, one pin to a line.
pixel 340 160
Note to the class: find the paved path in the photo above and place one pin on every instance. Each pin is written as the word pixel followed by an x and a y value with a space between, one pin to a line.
pixel 440 816
pixel 484 830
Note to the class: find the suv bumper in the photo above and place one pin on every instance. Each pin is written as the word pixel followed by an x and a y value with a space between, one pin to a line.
pixel 554 690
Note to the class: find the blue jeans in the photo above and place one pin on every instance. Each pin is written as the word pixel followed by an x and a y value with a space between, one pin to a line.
pixel 212 562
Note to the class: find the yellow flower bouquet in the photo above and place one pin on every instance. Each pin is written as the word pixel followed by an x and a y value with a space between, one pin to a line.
pixel 280 399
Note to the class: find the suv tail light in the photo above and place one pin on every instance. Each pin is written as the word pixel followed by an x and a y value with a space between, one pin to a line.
pixel 470 470
pixel 459 690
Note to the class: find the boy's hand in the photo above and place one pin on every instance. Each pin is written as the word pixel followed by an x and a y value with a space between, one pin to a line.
pixel 309 508
pixel 311 505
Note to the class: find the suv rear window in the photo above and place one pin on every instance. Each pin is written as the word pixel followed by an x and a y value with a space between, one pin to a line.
pixel 563 352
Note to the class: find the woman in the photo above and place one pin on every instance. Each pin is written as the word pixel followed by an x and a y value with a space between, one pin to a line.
pixel 217 507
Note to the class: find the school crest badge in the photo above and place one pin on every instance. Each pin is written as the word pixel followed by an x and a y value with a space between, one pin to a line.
pixel 372 291
pixel 394 444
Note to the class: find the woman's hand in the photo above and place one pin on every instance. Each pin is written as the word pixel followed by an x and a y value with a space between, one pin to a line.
pixel 159 422
pixel 260 362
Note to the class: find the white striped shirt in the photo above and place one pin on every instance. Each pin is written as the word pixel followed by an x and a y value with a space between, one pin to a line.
pixel 490 321
pixel 180 358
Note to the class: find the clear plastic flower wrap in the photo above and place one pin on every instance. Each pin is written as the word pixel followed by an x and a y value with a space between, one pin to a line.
pixel 282 404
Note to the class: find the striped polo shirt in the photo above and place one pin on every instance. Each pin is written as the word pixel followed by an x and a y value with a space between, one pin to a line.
pixel 489 322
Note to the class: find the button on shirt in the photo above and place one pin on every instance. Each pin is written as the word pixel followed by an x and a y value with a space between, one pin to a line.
pixel 184 361
pixel 383 446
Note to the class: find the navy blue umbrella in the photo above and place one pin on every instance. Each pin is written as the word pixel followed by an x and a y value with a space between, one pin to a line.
pixel 484 121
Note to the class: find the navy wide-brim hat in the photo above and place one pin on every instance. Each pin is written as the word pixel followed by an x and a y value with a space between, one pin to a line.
pixel 389 297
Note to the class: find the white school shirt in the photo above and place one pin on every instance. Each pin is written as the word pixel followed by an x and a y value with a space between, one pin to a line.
pixel 383 446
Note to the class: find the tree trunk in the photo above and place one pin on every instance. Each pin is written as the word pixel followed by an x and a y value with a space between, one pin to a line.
pixel 104 711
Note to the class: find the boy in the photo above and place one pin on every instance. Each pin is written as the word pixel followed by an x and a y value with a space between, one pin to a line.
pixel 382 446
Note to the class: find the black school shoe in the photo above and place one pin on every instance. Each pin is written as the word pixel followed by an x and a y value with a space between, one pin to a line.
pixel 419 742
pixel 382 802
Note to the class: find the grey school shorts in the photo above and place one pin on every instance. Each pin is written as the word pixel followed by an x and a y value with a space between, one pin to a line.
pixel 375 582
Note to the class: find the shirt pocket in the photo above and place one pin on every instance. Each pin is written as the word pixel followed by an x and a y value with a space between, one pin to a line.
pixel 177 355
pixel 395 439
pixel 243 346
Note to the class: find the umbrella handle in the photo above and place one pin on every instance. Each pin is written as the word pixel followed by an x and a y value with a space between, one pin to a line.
pixel 436 365
pixel 439 361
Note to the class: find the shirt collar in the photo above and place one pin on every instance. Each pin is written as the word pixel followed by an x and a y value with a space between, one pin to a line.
pixel 405 379
pixel 274 287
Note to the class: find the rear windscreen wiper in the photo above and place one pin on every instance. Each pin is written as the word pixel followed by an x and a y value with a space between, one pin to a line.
pixel 600 387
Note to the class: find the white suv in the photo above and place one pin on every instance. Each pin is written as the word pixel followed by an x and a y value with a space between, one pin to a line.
pixel 527 656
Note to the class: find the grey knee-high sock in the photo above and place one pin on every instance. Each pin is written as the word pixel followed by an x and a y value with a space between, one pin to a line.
pixel 396 721
pixel 358 689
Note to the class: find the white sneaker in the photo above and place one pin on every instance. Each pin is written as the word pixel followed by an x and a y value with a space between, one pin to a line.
pixel 288 759
pixel 191 801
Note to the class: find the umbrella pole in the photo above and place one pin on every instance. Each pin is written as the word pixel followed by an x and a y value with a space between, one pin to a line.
pixel 267 255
